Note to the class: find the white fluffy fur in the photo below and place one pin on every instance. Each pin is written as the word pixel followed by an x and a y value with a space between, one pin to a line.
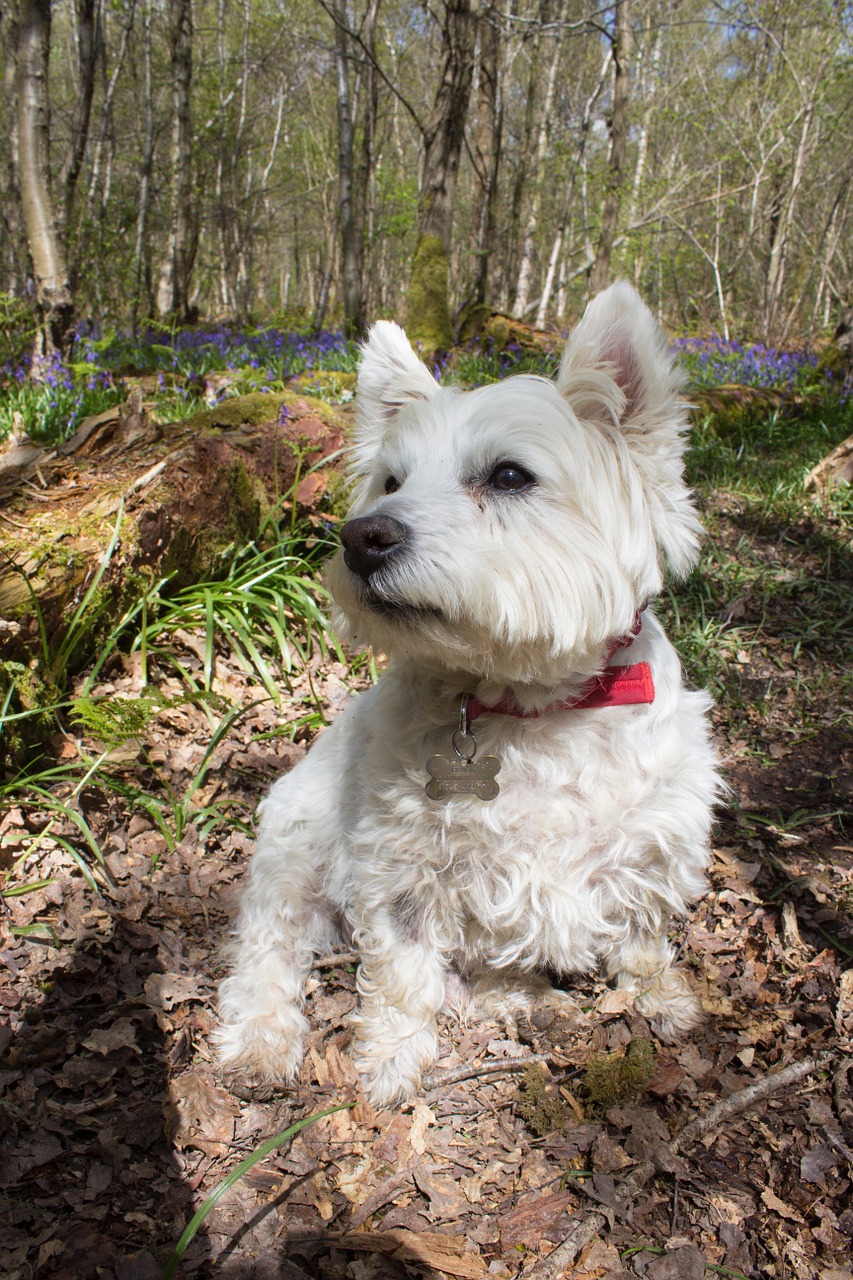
pixel 599 833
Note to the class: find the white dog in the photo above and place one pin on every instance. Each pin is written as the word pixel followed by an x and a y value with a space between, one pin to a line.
pixel 529 785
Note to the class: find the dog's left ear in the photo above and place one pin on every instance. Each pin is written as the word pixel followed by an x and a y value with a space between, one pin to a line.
pixel 617 370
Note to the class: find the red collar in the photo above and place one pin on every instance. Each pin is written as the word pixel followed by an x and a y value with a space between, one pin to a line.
pixel 615 687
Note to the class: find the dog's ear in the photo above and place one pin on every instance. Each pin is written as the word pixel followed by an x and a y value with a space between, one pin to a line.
pixel 390 375
pixel 617 370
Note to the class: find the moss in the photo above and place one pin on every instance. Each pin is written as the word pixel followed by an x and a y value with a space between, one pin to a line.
pixel 428 314
pixel 253 409
pixel 245 501
pixel 613 1078
pixel 330 384
pixel 541 1107
pixel 24 689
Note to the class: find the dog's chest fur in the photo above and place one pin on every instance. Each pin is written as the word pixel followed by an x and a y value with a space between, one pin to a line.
pixel 554 868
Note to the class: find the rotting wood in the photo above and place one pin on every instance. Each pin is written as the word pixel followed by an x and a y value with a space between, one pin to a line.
pixel 186 490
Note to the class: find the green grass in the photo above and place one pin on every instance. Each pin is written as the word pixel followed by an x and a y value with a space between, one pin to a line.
pixel 266 610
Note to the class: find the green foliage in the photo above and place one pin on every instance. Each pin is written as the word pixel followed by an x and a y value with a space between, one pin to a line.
pixel 759 470
pixel 266 608
pixel 51 406
pixel 114 720
pixel 17 330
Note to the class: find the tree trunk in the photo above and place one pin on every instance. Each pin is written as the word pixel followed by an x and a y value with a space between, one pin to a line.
pixel 53 292
pixel 349 228
pixel 178 499
pixel 88 39
pixel 621 40
pixel 173 289
pixel 428 306
pixel 525 270
pixel 487 153
pixel 145 168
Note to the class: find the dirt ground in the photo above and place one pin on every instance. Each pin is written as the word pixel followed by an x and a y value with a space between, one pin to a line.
pixel 116 1123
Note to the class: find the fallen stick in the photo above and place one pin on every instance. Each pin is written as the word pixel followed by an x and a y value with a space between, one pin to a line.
pixel 492 1066
pixel 743 1100
pixel 565 1253
pixel 556 1265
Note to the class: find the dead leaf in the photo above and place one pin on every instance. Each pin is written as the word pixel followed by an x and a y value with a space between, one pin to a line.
pixel 121 1035
pixel 534 1220
pixel 686 1263
pixel 772 1201
pixel 817 1161
pixel 200 1115
pixel 443 1253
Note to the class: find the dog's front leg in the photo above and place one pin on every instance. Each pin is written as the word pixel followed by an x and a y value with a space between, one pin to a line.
pixel 283 924
pixel 401 983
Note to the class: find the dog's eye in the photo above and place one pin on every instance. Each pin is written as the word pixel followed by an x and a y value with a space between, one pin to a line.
pixel 392 484
pixel 510 478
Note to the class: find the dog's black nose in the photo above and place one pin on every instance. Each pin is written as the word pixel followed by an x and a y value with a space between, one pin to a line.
pixel 370 541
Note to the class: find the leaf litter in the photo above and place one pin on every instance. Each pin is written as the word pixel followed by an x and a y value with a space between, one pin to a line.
pixel 116 1123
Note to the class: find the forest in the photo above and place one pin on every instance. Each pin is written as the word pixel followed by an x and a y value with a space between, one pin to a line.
pixel 204 206
pixel 337 161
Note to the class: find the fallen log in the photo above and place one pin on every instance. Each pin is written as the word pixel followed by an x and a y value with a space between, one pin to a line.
pixel 154 499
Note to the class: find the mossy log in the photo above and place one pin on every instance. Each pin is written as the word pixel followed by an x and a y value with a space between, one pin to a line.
pixel 151 500
pixel 732 404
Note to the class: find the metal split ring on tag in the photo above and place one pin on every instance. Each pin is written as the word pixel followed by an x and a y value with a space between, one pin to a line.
pixel 464 776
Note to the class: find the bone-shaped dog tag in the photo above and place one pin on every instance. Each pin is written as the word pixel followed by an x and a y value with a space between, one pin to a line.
pixel 462 777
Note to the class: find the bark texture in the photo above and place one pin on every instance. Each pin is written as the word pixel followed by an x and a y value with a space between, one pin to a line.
pixel 53 293
pixel 622 42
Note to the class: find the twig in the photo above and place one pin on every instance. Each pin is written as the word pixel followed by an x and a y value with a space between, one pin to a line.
pixel 743 1100
pixel 17 523
pixel 151 474
pixel 563 1256
pixel 556 1264
pixel 334 959
pixel 841 1094
pixel 452 1075
pixel 836 1141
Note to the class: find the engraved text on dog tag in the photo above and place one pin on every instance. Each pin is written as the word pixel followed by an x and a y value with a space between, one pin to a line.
pixel 462 777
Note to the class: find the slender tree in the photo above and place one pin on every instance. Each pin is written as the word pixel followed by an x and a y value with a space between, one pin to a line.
pixel 621 40
pixel 53 293
pixel 173 289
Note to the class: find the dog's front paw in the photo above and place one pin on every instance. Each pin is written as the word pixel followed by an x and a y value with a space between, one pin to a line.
pixel 669 1003
pixel 260 1054
pixel 391 1070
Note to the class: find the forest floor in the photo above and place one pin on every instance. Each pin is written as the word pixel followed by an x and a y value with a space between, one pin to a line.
pixel 117 1123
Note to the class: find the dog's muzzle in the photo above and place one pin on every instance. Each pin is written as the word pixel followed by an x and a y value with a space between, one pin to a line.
pixel 370 542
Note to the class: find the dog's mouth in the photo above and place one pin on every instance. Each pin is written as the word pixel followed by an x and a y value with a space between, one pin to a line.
pixel 400 611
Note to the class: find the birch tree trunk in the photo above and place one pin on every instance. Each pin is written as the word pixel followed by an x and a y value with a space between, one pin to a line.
pixel 621 40
pixel 525 269
pixel 88 40
pixel 349 230
pixel 145 169
pixel 53 292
